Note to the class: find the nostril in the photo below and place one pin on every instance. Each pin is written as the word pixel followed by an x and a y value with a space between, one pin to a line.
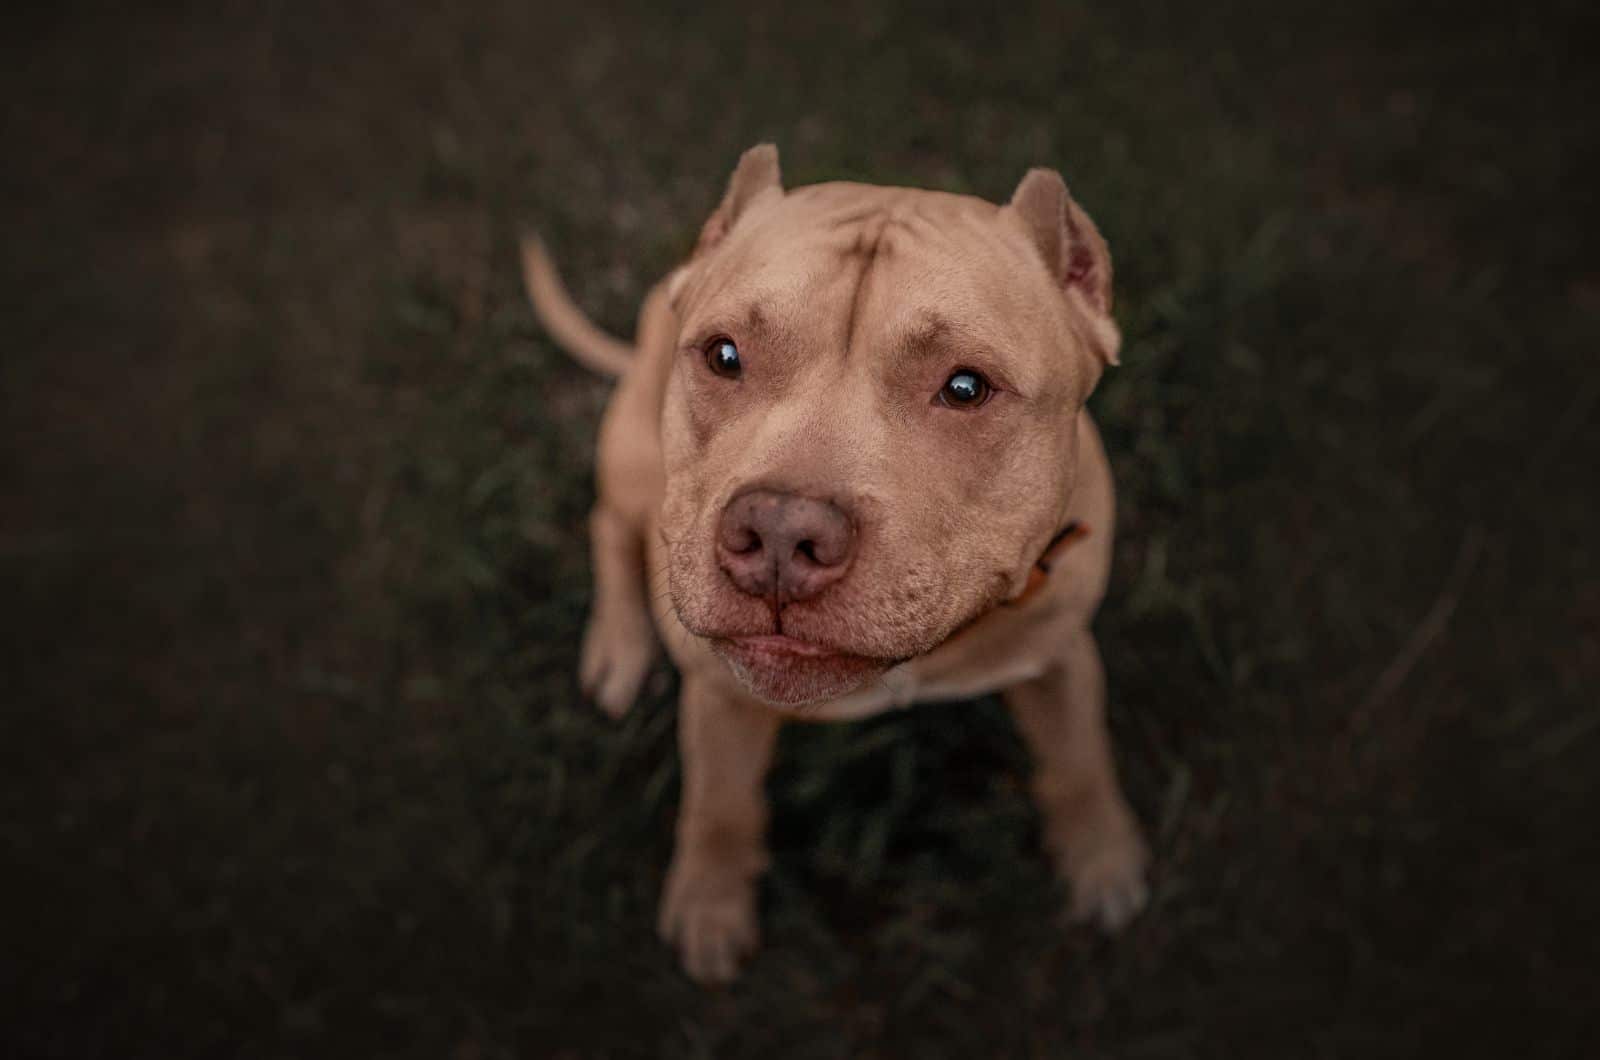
pixel 741 541
pixel 823 552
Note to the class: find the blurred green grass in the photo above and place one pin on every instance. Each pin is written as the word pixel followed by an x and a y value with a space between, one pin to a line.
pixel 294 492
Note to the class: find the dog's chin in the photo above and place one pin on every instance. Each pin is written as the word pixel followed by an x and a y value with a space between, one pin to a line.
pixel 791 673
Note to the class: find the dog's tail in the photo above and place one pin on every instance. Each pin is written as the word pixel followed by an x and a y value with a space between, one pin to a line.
pixel 562 318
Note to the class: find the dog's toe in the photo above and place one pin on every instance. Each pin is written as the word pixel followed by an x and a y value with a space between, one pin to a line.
pixel 1101 855
pixel 712 923
pixel 1108 884
pixel 1111 898
pixel 620 686
pixel 714 942
pixel 614 662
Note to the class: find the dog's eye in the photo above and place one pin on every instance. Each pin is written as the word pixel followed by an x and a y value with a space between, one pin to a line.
pixel 965 389
pixel 723 357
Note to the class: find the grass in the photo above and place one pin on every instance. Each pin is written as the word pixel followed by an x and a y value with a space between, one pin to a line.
pixel 294 493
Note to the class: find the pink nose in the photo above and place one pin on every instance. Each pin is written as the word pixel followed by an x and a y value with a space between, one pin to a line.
pixel 778 544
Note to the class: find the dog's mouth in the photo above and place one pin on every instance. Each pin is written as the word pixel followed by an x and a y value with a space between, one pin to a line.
pixel 780 645
pixel 798 653
pixel 791 672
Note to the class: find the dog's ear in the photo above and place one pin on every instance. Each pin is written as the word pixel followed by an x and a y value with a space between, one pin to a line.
pixel 756 175
pixel 1072 249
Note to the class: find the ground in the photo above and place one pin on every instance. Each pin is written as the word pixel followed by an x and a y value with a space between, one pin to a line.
pixel 292 500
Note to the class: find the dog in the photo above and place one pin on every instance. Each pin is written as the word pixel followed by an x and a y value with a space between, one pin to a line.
pixel 848 468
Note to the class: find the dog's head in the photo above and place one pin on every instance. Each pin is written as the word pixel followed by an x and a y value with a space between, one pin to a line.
pixel 870 428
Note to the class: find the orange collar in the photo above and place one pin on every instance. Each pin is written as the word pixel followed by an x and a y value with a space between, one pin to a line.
pixel 1072 532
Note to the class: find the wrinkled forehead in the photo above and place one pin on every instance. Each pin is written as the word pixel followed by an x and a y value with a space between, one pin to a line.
pixel 850 264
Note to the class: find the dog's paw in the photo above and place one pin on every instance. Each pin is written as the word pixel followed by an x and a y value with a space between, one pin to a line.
pixel 618 647
pixel 1111 890
pixel 1104 863
pixel 710 917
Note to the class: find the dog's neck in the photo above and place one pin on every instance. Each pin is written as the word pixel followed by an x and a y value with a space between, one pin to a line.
pixel 1065 537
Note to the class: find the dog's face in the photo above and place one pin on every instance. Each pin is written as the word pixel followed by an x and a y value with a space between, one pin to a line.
pixel 869 432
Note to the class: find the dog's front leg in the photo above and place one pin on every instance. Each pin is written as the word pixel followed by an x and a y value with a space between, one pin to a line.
pixel 1089 829
pixel 620 642
pixel 708 909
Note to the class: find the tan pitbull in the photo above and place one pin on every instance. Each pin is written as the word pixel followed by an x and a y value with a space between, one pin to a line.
pixel 848 467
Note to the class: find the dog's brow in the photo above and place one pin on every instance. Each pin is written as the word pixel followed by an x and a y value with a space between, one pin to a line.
pixel 929 332
pixel 932 336
pixel 755 321
pixel 854 217
pixel 745 323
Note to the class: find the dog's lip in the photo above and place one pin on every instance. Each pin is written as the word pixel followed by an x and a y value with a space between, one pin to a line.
pixel 788 672
pixel 783 644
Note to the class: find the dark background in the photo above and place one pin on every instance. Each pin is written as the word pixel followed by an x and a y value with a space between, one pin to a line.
pixel 292 550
